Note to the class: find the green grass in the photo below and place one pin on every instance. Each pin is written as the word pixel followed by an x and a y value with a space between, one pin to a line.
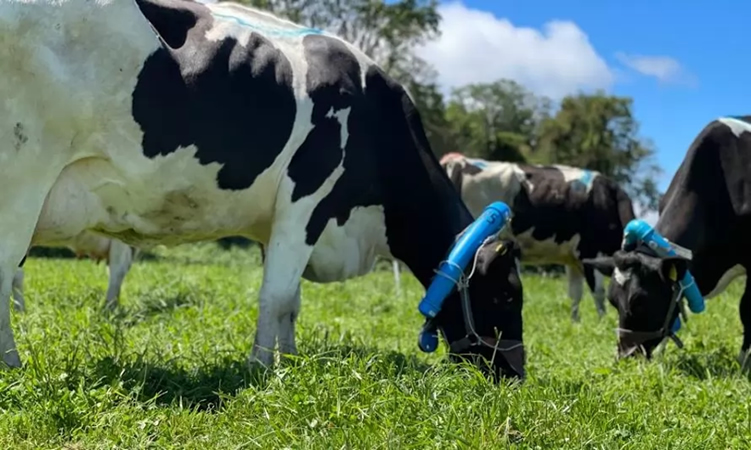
pixel 169 372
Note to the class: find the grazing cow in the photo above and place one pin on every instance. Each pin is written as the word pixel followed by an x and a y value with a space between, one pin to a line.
pixel 561 214
pixel 706 210
pixel 169 121
pixel 119 257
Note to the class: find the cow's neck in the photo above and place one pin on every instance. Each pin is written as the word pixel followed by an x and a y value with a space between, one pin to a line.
pixel 695 216
pixel 423 221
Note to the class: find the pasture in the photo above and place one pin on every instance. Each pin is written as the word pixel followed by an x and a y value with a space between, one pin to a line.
pixel 169 371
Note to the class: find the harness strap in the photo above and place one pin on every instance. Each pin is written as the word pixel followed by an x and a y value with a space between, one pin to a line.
pixel 639 337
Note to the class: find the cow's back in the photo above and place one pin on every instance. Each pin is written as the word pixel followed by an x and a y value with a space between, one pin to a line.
pixel 220 115
pixel 497 181
pixel 560 212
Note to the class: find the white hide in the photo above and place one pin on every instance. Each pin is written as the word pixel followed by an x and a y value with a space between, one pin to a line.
pixel 738 127
pixel 498 181
pixel 621 276
pixel 69 69
pixel 729 275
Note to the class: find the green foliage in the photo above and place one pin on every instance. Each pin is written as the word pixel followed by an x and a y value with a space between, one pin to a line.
pixel 502 121
pixel 599 132
pixel 169 372
pixel 495 121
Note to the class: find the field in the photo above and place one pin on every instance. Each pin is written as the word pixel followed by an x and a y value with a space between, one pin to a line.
pixel 169 371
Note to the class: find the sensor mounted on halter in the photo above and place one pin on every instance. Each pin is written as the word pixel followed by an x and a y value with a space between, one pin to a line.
pixel 491 222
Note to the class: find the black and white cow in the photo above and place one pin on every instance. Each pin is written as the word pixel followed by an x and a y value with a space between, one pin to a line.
pixel 707 210
pixel 562 214
pixel 118 255
pixel 171 121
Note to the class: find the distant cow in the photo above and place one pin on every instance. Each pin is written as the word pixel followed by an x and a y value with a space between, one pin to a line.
pixel 562 214
pixel 168 121
pixel 707 210
pixel 119 257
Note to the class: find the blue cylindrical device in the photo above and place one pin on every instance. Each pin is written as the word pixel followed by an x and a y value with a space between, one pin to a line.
pixel 490 222
pixel 638 230
pixel 676 325
pixel 427 340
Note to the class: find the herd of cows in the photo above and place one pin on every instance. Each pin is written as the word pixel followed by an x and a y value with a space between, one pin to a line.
pixel 131 123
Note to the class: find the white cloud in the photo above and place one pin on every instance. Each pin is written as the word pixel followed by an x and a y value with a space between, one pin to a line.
pixel 664 68
pixel 477 47
pixel 648 216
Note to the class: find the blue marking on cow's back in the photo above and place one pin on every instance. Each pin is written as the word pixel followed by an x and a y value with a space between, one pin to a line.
pixel 584 180
pixel 266 30
pixel 586 177
pixel 480 164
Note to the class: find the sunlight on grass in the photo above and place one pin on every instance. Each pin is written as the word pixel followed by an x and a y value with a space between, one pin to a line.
pixel 169 370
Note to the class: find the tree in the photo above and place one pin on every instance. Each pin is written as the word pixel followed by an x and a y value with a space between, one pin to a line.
pixel 497 121
pixel 599 132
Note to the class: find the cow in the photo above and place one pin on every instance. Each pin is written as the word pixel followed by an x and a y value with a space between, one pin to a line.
pixel 118 255
pixel 705 210
pixel 562 214
pixel 172 121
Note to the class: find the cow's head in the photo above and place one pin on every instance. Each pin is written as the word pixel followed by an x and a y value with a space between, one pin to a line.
pixel 495 298
pixel 644 290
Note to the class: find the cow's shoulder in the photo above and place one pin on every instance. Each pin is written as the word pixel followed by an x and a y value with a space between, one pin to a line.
pixel 218 84
pixel 334 82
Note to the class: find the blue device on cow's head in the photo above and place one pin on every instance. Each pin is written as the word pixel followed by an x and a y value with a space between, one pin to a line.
pixel 491 222
pixel 638 230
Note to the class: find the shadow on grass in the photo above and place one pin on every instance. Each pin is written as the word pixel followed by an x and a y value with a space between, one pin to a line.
pixel 151 306
pixel 166 383
pixel 703 365
pixel 208 387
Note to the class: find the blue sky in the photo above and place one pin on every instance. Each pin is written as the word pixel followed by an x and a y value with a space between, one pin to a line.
pixel 684 63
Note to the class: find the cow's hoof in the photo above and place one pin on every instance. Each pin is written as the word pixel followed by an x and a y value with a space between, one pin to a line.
pixel 260 359
pixel 11 360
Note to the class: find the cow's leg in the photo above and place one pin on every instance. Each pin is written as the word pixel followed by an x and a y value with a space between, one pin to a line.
pixel 17 287
pixel 119 261
pixel 285 258
pixel 12 252
pixel 745 312
pixel 287 324
pixel 397 280
pixel 575 290
pixel 596 283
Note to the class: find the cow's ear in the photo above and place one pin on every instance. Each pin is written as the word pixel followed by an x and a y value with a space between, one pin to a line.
pixel 499 253
pixel 603 264
pixel 673 268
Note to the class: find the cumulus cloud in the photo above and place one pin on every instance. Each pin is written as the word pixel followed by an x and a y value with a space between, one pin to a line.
pixel 477 47
pixel 663 68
